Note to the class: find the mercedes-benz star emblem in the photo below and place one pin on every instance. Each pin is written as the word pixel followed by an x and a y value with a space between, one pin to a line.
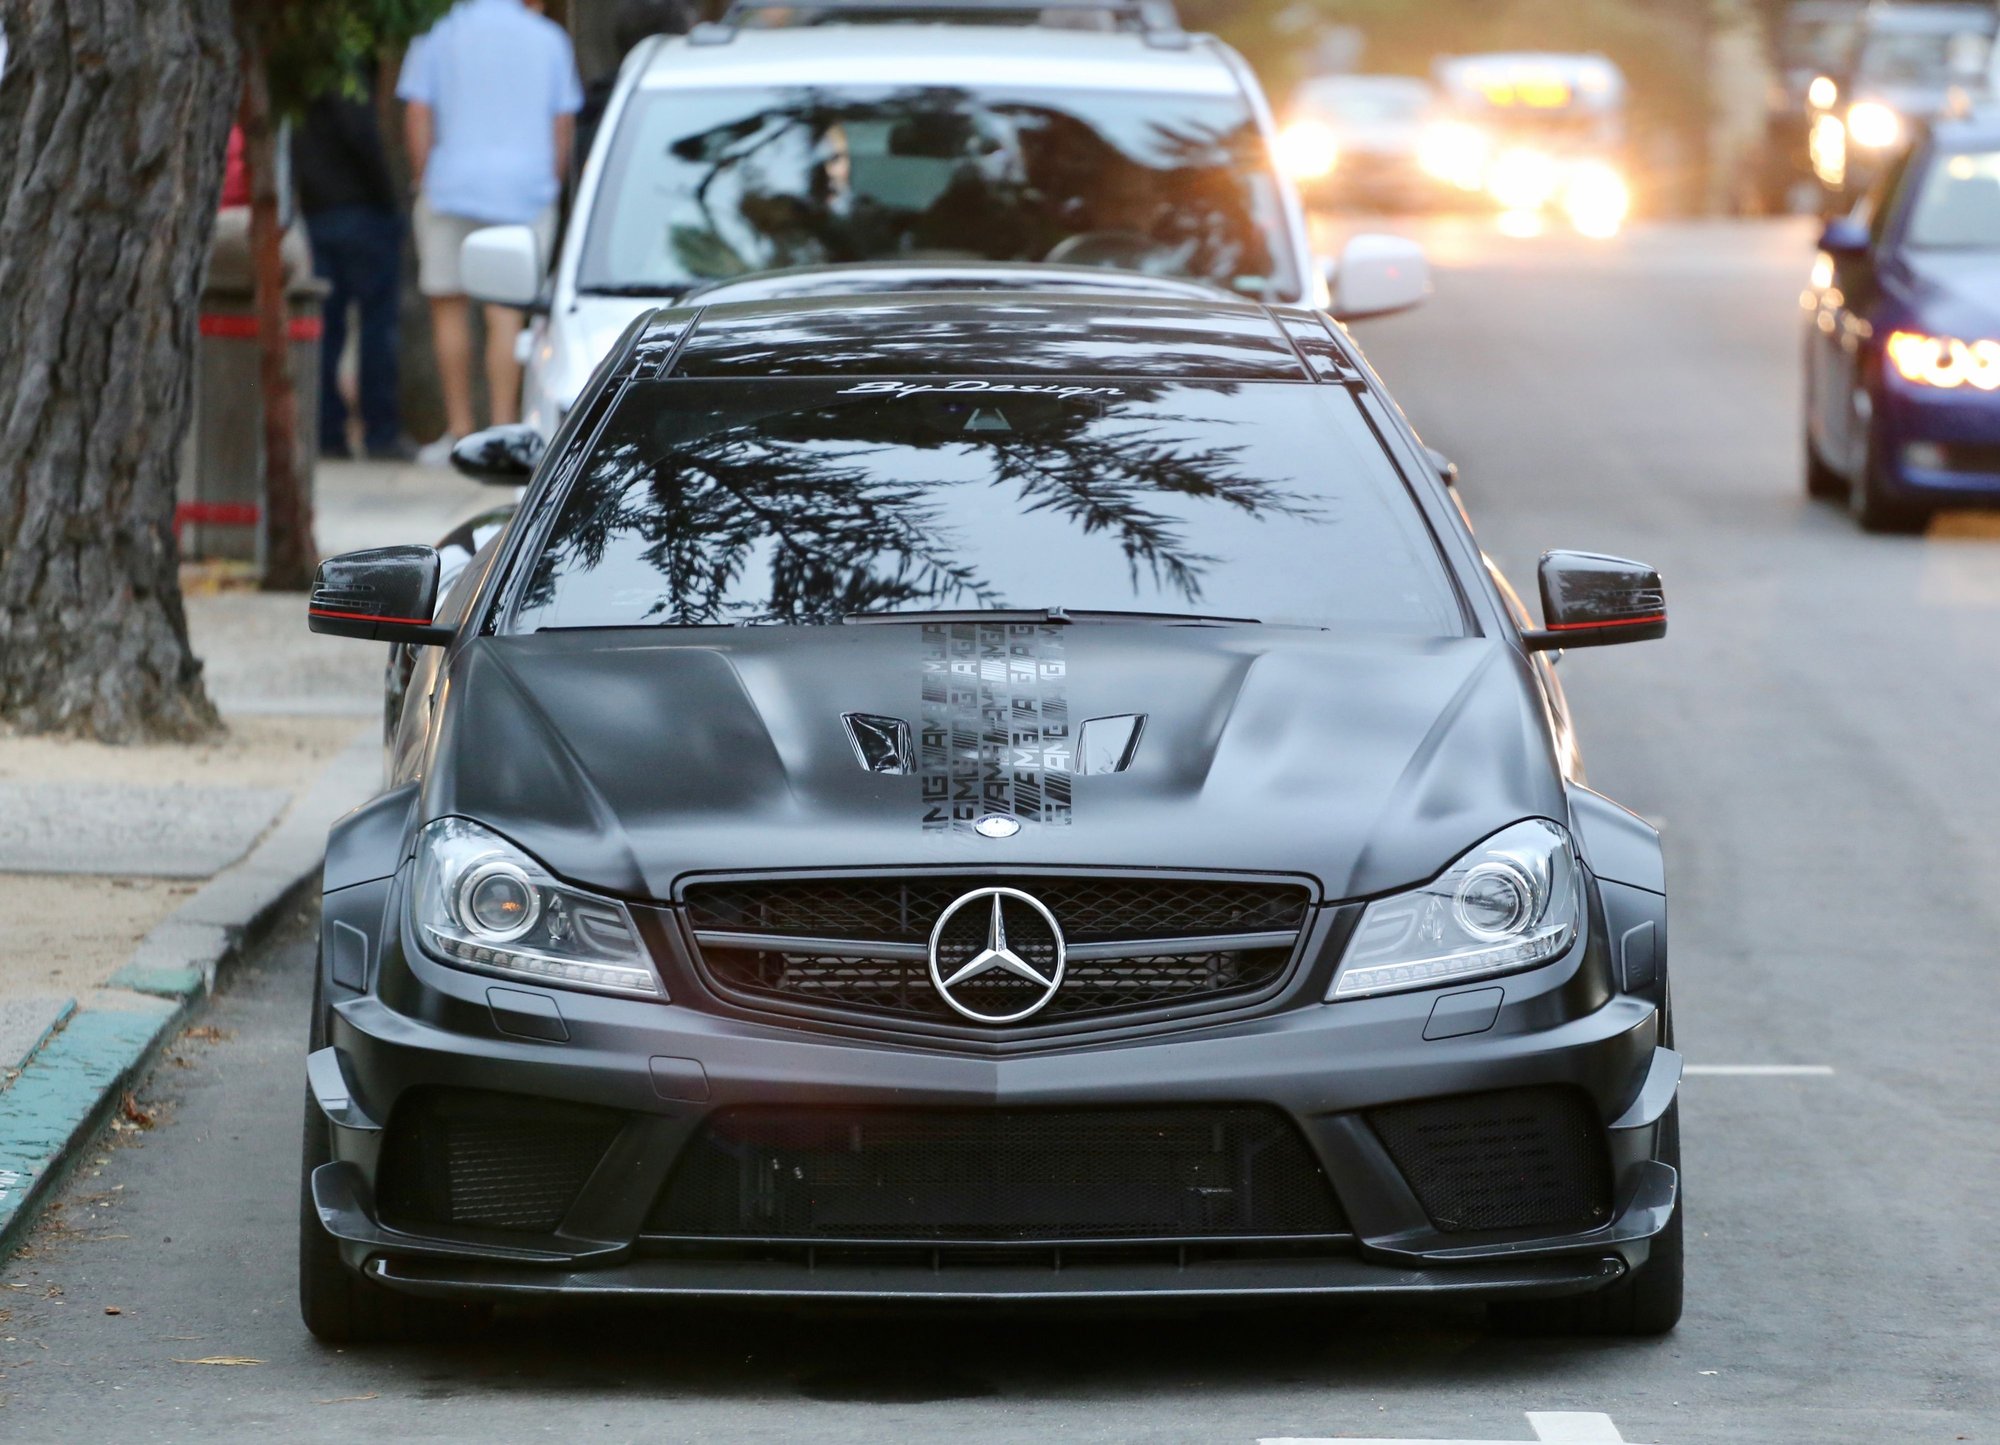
pixel 997 956
pixel 997 825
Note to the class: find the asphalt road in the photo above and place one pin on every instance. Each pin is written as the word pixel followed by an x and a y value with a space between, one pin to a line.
pixel 1817 739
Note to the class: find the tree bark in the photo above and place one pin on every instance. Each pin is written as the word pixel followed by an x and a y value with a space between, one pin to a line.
pixel 289 554
pixel 115 114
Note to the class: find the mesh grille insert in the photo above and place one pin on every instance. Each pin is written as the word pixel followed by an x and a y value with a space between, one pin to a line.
pixel 493 1161
pixel 948 1175
pixel 1513 1159
pixel 903 910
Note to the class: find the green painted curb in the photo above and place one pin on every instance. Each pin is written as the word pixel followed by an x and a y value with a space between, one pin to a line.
pixel 174 983
pixel 61 1097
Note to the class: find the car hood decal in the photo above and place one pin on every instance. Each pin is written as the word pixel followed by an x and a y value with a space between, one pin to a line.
pixel 627 760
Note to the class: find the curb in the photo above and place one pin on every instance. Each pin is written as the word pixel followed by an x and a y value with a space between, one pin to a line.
pixel 72 1082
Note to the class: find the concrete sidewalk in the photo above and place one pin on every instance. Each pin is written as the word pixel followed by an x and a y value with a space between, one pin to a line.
pixel 129 876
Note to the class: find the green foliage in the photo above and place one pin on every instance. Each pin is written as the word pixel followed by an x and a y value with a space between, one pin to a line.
pixel 315 47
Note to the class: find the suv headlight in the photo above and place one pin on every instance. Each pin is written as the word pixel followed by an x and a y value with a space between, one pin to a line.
pixel 481 903
pixel 1513 902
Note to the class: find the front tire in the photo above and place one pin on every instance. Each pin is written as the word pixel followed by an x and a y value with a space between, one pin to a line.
pixel 1645 1302
pixel 1868 499
pixel 1823 483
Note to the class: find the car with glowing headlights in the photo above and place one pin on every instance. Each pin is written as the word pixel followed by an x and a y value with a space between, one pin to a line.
pixel 936 797
pixel 1902 355
pixel 1905 64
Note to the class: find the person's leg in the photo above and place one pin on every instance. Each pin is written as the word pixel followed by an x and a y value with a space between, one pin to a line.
pixel 329 264
pixel 377 286
pixel 438 240
pixel 503 371
pixel 451 338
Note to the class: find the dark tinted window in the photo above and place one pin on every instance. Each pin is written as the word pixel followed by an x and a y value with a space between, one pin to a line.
pixel 703 185
pixel 804 501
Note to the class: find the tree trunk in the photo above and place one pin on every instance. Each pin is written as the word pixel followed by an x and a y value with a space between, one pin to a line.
pixel 289 554
pixel 114 114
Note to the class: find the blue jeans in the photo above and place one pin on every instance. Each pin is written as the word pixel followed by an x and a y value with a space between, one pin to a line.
pixel 358 252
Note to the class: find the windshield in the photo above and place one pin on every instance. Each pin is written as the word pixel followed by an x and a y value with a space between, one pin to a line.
pixel 710 503
pixel 702 185
pixel 1925 59
pixel 1817 44
pixel 1958 204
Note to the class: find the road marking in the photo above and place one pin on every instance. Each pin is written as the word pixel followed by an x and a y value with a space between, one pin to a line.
pixel 1762 1071
pixel 1551 1427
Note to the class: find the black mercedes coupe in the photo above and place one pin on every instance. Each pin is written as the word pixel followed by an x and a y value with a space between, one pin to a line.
pixel 986 798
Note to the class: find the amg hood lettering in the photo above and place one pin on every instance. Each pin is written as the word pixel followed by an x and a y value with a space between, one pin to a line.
pixel 900 389
pixel 996 730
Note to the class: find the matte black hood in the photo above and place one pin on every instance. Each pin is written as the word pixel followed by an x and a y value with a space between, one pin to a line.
pixel 625 760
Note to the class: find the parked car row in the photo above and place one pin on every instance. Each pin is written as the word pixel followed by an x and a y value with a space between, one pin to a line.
pixel 986 763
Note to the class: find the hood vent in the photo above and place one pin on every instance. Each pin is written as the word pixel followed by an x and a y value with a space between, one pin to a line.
pixel 1104 745
pixel 881 744
pixel 1108 744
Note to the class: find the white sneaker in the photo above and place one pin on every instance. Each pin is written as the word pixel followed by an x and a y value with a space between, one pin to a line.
pixel 437 453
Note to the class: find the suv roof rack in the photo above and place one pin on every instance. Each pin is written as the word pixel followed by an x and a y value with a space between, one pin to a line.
pixel 1157 20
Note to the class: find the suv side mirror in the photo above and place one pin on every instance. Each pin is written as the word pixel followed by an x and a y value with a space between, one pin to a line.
pixel 1378 275
pixel 1593 601
pixel 501 456
pixel 386 594
pixel 502 265
pixel 1844 236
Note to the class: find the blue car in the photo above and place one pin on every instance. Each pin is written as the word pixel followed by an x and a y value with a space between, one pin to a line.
pixel 1903 353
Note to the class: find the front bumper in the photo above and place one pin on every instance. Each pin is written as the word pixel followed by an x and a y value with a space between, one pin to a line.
pixel 669 1070
pixel 1939 447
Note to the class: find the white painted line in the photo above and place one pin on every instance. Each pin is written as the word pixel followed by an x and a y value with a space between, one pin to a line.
pixel 1551 1427
pixel 1762 1071
pixel 1574 1427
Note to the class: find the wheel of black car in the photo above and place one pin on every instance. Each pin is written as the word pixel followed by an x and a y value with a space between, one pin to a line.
pixel 1646 1302
pixel 1823 483
pixel 1869 502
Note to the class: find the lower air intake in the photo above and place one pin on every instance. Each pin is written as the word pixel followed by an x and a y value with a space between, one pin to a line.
pixel 1513 1159
pixel 490 1161
pixel 985 1176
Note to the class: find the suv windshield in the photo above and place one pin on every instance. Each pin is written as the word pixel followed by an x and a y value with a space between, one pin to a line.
pixel 1922 58
pixel 703 185
pixel 714 503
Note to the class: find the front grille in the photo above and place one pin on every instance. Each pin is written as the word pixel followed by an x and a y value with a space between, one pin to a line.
pixel 492 1161
pixel 939 1176
pixel 1512 1159
pixel 1133 943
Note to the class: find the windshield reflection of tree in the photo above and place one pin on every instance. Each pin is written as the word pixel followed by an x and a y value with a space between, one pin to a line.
pixel 1027 182
pixel 798 494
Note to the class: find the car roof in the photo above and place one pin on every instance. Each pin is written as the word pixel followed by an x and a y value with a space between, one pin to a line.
pixel 866 277
pixel 1038 57
pixel 1037 334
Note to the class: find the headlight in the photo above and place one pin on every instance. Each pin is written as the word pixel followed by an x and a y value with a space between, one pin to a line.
pixel 1308 150
pixel 481 903
pixel 1454 153
pixel 1873 125
pixel 1827 146
pixel 1513 902
pixel 1945 361
pixel 1822 93
pixel 1596 199
pixel 1524 180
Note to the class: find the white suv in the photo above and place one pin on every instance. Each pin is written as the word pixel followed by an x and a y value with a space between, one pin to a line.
pixel 742 149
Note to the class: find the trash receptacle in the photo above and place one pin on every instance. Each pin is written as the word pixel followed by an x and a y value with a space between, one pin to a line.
pixel 219 513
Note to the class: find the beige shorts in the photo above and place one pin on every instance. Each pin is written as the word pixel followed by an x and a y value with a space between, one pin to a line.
pixel 439 239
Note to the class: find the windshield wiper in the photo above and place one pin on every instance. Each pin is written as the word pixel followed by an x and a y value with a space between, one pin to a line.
pixel 1061 615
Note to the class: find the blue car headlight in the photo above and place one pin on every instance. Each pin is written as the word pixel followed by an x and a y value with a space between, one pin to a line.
pixel 1513 902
